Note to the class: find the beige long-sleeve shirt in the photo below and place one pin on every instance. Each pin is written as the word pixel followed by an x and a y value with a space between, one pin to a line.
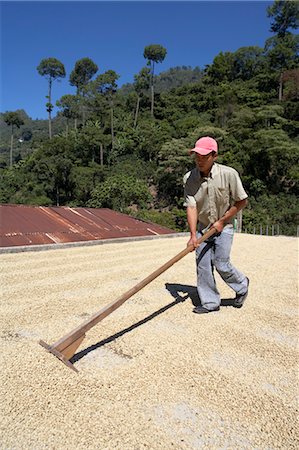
pixel 213 195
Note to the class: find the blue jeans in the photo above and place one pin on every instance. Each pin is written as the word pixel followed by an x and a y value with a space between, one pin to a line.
pixel 215 252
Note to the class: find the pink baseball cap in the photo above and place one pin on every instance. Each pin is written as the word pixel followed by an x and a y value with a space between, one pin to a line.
pixel 205 145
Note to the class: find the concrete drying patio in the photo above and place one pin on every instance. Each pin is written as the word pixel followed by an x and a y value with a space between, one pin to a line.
pixel 152 374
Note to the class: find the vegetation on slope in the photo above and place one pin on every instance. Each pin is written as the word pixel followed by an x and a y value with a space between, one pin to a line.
pixel 127 148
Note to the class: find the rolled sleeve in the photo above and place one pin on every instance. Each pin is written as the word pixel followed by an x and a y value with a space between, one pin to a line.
pixel 189 199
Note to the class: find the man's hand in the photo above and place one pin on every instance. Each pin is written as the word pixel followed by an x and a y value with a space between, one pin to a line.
pixel 193 242
pixel 219 225
pixel 192 217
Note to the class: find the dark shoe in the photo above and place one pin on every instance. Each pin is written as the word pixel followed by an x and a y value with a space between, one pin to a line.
pixel 202 310
pixel 240 298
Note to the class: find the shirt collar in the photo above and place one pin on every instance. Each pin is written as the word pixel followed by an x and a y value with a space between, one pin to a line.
pixel 213 172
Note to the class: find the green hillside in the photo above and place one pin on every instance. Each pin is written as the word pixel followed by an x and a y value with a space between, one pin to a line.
pixel 127 148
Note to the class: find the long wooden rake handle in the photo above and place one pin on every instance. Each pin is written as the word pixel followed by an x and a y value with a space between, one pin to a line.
pixel 66 347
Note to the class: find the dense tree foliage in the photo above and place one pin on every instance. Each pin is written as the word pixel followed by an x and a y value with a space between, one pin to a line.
pixel 70 108
pixel 285 15
pixel 141 85
pixel 82 74
pixel 118 155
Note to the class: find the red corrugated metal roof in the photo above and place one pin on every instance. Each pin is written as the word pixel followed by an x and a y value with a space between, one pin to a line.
pixel 33 225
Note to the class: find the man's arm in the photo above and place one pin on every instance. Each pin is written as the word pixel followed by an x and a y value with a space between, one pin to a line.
pixel 192 217
pixel 231 212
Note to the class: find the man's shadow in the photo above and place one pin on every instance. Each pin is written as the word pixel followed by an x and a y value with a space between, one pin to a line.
pixel 176 290
pixel 180 293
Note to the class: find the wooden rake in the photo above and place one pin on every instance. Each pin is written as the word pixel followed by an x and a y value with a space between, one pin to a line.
pixel 66 347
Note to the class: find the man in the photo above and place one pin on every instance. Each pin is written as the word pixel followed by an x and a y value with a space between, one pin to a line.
pixel 213 196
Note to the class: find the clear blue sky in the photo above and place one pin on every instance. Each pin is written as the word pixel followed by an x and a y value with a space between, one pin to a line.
pixel 113 34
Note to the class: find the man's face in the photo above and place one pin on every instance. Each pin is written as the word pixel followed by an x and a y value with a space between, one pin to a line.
pixel 204 163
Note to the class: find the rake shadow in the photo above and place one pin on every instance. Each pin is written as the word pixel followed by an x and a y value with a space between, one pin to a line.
pixel 176 290
pixel 82 353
